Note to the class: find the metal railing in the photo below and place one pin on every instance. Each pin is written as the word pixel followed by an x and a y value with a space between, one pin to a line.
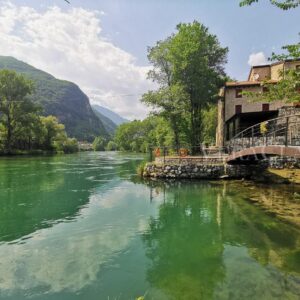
pixel 184 151
pixel 283 131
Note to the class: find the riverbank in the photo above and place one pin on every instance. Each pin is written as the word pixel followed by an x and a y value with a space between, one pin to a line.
pixel 272 170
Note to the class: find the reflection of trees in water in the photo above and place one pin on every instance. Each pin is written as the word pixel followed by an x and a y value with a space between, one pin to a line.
pixel 186 242
pixel 268 239
pixel 185 246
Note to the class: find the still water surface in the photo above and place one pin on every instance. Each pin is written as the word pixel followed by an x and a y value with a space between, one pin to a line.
pixel 85 227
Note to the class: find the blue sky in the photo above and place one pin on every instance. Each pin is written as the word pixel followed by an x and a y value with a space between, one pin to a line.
pixel 135 24
pixel 132 25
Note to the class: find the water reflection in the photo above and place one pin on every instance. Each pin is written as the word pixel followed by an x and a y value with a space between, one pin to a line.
pixel 67 255
pixel 209 243
pixel 84 227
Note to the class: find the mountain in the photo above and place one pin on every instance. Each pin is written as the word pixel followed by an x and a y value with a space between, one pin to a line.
pixel 108 124
pixel 60 98
pixel 117 119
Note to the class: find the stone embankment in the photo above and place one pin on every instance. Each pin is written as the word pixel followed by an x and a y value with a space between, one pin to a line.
pixel 215 168
pixel 196 171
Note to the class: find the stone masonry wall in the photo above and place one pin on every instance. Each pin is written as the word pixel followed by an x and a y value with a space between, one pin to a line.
pixel 199 171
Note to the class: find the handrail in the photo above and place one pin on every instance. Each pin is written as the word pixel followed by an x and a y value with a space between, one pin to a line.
pixel 279 118
pixel 277 131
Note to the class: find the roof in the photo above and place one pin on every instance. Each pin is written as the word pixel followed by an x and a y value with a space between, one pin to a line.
pixel 247 83
pixel 271 65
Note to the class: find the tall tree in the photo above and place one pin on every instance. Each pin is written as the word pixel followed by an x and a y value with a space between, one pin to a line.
pixel 198 65
pixel 172 104
pixel 170 98
pixel 14 103
pixel 189 68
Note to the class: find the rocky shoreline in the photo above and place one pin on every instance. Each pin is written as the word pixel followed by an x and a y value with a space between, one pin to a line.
pixel 275 169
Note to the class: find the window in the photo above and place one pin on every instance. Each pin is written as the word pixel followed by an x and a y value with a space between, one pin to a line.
pixel 266 107
pixel 238 109
pixel 265 89
pixel 238 93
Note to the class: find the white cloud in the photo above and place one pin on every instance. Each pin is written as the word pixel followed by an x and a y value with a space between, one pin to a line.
pixel 71 45
pixel 256 59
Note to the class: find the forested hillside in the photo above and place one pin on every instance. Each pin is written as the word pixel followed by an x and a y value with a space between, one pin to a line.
pixel 108 124
pixel 60 98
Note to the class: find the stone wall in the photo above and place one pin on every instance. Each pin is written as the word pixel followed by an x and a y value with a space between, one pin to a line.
pixel 282 163
pixel 219 171
pixel 196 160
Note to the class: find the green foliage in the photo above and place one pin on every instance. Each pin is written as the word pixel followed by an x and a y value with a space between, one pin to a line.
pixel 60 98
pixel 140 168
pixel 67 145
pixel 288 88
pixel 99 144
pixel 285 4
pixel 54 133
pixel 210 119
pixel 15 107
pixel 111 146
pixel 139 136
pixel 189 68
pixel 21 126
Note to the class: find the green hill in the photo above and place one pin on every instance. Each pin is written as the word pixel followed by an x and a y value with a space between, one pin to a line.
pixel 62 99
pixel 108 124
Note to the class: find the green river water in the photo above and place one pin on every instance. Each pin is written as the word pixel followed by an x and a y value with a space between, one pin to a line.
pixel 84 226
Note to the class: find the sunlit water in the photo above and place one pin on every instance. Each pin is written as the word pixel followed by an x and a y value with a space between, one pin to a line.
pixel 85 227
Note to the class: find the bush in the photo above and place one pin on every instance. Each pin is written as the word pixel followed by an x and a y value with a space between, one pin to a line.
pixel 111 146
pixel 70 146
pixel 140 168
pixel 99 143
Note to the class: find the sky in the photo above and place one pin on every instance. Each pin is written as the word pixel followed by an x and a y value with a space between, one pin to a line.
pixel 101 45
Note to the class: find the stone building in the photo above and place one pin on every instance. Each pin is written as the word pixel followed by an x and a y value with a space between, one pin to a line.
pixel 236 112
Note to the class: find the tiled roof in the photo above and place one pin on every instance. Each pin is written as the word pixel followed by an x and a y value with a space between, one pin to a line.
pixel 247 83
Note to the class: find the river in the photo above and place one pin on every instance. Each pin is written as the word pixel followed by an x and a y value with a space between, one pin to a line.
pixel 84 226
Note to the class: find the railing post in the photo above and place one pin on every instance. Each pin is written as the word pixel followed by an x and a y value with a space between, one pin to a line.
pixel 252 136
pixel 242 140
pixel 286 130
pixel 151 154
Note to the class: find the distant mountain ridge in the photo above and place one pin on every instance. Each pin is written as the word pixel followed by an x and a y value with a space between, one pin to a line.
pixel 60 98
pixel 108 124
pixel 114 117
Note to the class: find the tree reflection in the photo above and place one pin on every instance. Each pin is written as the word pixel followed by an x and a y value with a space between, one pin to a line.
pixel 186 242
pixel 185 246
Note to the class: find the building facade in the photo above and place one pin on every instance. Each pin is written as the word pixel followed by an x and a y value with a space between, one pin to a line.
pixel 235 110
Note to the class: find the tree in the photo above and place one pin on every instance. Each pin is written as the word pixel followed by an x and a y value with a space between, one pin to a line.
pixel 139 136
pixel 210 119
pixel 99 144
pixel 111 146
pixel 54 131
pixel 189 68
pixel 172 104
pixel 285 4
pixel 198 64
pixel 15 105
